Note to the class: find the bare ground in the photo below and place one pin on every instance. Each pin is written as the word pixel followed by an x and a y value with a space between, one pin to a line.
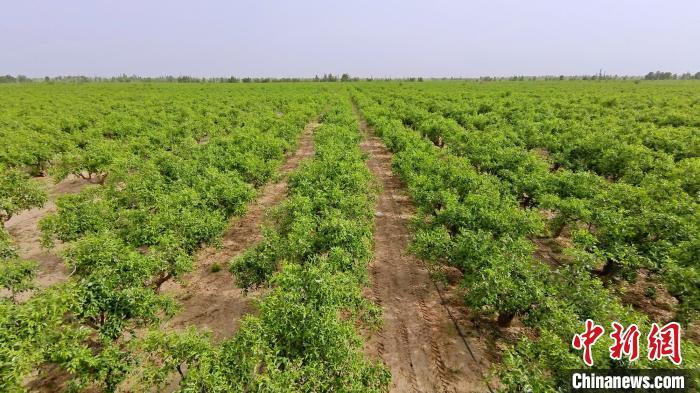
pixel 419 342
pixel 211 300
pixel 24 229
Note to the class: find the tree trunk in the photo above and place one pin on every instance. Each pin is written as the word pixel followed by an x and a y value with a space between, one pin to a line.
pixel 559 229
pixel 179 370
pixel 160 281
pixel 609 269
pixel 505 318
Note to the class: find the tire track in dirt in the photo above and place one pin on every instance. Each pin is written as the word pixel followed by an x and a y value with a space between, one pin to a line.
pixel 419 342
pixel 211 300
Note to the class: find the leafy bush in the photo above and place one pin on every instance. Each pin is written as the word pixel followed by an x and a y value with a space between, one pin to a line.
pixel 476 190
pixel 17 193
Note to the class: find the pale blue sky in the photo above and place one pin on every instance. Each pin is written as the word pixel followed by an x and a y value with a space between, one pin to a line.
pixel 364 38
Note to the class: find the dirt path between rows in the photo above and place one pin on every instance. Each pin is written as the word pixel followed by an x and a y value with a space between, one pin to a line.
pixel 24 228
pixel 419 342
pixel 211 300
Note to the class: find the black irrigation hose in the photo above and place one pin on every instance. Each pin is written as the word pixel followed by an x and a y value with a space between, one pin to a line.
pixel 458 327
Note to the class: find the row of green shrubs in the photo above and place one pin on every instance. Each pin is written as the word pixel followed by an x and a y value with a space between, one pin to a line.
pixel 469 220
pixel 314 259
pixel 17 193
pixel 644 215
pixel 159 203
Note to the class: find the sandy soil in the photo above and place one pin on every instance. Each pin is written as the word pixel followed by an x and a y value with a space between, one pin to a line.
pixel 425 348
pixel 550 251
pixel 211 300
pixel 24 229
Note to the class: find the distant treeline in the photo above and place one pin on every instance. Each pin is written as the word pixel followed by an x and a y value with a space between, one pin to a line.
pixel 658 75
pixel 193 79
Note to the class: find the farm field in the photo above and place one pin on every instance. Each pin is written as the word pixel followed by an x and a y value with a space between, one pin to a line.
pixel 438 236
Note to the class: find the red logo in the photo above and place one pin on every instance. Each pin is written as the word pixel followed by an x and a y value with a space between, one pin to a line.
pixel 662 342
pixel 625 342
pixel 586 340
pixel 665 342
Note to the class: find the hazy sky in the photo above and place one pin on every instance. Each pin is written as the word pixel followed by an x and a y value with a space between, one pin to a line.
pixel 364 38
